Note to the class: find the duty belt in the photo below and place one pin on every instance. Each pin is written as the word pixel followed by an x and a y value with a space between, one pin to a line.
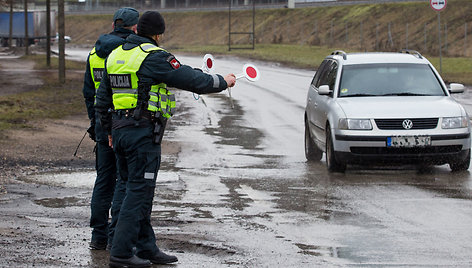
pixel 128 113
pixel 124 118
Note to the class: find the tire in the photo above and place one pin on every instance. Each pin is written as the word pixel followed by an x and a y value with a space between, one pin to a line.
pixel 332 163
pixel 461 165
pixel 312 152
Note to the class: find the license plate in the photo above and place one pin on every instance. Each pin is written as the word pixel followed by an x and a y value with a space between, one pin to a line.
pixel 408 141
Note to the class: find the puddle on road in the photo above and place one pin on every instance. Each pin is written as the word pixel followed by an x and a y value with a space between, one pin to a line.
pixel 195 244
pixel 69 180
pixel 43 219
pixel 85 179
pixel 317 250
pixel 62 202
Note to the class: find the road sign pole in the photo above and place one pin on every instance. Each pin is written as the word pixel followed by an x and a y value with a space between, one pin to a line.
pixel 440 43
pixel 438 6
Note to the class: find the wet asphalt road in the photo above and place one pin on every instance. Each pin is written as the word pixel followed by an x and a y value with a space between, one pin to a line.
pixel 241 194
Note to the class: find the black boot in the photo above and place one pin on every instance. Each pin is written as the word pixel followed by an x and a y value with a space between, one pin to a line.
pixel 97 245
pixel 133 262
pixel 162 258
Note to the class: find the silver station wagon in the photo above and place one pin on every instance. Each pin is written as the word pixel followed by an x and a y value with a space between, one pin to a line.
pixel 384 108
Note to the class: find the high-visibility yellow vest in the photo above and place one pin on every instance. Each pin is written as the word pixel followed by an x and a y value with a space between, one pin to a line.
pixel 97 66
pixel 122 66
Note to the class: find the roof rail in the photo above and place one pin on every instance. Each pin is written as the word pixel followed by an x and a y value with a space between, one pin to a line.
pixel 340 52
pixel 411 52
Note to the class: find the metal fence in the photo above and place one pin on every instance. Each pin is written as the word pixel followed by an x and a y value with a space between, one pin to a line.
pixel 455 41
pixel 108 7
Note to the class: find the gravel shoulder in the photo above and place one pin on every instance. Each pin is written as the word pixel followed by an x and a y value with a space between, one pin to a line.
pixel 44 144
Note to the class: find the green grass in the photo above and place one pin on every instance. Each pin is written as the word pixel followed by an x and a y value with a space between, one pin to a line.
pixel 457 70
pixel 454 69
pixel 299 56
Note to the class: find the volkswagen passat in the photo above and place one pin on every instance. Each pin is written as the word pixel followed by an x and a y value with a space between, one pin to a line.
pixel 384 108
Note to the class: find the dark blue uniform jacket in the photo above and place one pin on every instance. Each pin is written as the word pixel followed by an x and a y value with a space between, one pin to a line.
pixel 158 67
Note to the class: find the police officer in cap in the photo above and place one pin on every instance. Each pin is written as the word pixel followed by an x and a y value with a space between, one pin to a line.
pixel 124 23
pixel 134 103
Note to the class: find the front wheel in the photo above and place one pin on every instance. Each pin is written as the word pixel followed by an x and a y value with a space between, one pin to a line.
pixel 312 152
pixel 332 163
pixel 461 165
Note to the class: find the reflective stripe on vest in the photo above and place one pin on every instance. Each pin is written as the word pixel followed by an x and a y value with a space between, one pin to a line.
pixel 122 66
pixel 97 66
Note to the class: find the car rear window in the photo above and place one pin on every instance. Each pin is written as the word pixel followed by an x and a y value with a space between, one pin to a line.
pixel 389 80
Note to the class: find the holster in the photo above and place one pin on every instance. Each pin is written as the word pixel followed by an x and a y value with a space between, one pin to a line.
pixel 158 131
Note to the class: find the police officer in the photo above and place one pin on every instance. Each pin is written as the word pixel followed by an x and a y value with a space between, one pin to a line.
pixel 124 23
pixel 134 103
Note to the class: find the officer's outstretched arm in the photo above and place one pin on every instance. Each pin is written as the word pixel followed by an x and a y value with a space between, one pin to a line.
pixel 189 79
pixel 163 67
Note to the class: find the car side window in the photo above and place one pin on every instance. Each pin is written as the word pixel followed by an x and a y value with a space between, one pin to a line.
pixel 328 77
pixel 323 74
pixel 331 76
pixel 316 78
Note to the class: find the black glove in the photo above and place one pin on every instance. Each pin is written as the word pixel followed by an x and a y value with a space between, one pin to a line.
pixel 91 130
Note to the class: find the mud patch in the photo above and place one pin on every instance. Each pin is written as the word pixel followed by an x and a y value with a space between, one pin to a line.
pixel 22 245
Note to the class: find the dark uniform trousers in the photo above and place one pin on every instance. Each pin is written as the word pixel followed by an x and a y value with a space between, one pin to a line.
pixel 104 187
pixel 120 193
pixel 138 161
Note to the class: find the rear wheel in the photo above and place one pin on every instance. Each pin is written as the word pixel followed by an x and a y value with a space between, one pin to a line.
pixel 312 152
pixel 332 163
pixel 461 165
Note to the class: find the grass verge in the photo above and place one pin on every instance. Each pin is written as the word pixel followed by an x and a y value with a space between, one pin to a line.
pixel 40 63
pixel 51 100
pixel 290 55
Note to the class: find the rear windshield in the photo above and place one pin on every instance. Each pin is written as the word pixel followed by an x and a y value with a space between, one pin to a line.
pixel 389 80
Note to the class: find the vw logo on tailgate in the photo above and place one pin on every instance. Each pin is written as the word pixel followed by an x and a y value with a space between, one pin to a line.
pixel 407 124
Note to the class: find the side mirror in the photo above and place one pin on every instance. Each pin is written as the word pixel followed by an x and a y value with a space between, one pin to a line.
pixel 324 90
pixel 456 88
